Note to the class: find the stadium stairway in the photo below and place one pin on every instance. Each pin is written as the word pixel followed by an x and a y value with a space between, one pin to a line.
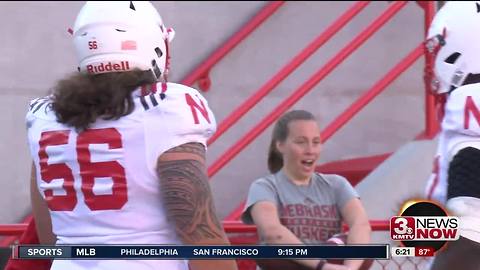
pixel 401 177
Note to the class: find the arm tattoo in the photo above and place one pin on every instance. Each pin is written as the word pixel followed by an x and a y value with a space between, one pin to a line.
pixel 190 148
pixel 187 195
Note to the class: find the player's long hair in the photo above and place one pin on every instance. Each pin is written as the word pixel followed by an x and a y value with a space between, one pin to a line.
pixel 280 134
pixel 82 98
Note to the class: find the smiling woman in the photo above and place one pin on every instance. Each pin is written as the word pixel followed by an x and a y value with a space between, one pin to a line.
pixel 295 204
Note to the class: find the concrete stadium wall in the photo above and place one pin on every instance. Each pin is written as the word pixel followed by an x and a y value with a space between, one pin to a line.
pixel 36 51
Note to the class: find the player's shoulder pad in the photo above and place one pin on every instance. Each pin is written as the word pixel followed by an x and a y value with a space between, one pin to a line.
pixel 459 94
pixel 176 101
pixel 37 103
pixel 40 107
pixel 181 115
pixel 169 94
pixel 180 88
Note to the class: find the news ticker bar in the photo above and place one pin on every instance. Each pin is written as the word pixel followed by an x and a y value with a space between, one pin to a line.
pixel 202 252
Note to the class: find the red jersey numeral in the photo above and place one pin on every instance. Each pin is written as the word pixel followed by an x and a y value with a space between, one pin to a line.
pixel 88 171
pixel 56 171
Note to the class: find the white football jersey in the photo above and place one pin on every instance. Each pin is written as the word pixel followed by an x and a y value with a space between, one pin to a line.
pixel 101 185
pixel 460 129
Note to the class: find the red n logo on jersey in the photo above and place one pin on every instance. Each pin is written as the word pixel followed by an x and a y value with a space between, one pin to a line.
pixel 470 107
pixel 194 106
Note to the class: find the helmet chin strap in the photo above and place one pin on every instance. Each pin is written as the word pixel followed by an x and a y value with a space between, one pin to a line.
pixel 170 34
pixel 167 58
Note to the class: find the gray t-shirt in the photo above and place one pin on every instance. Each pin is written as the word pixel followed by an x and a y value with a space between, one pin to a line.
pixel 311 212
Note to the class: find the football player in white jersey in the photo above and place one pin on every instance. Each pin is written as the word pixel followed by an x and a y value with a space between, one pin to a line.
pixel 118 153
pixel 453 39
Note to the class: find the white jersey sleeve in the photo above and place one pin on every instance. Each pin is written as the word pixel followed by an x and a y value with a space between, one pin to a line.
pixel 178 116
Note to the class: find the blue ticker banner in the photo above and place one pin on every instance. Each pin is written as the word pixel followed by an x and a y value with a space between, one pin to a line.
pixel 203 252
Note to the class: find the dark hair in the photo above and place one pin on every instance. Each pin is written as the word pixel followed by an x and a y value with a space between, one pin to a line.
pixel 82 98
pixel 280 133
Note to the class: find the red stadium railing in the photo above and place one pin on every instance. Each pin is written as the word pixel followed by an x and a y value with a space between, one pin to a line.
pixel 306 87
pixel 376 89
pixel 296 61
pixel 431 121
pixel 239 227
pixel 12 229
pixel 201 71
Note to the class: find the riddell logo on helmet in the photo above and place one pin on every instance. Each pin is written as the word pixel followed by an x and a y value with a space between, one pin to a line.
pixel 122 66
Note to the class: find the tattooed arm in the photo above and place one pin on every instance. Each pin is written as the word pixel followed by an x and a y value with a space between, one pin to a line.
pixel 189 203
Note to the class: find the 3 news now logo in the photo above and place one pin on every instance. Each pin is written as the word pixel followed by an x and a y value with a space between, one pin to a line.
pixel 424 224
pixel 424 228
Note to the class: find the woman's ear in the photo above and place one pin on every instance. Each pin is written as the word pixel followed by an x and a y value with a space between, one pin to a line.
pixel 280 146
